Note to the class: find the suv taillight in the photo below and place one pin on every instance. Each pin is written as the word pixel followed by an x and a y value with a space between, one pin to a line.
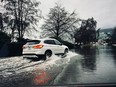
pixel 38 46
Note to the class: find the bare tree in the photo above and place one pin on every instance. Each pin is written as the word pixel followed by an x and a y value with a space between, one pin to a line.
pixel 21 14
pixel 59 22
pixel 1 22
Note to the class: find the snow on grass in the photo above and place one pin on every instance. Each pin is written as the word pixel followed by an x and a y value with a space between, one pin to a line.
pixel 8 66
pixel 28 67
pixel 11 63
pixel 15 65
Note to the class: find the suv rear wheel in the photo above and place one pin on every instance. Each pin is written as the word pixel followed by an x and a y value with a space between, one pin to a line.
pixel 48 54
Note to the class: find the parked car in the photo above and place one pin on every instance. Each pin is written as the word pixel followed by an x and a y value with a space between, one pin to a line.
pixel 46 47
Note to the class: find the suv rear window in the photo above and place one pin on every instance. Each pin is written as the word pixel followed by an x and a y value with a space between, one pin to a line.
pixel 32 42
pixel 50 42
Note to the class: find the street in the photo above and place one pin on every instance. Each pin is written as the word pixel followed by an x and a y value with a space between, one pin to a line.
pixel 26 72
pixel 57 43
pixel 95 65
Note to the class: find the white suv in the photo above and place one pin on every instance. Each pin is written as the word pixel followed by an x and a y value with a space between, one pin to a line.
pixel 45 47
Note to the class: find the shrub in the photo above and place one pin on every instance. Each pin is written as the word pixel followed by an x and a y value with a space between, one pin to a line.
pixel 4 38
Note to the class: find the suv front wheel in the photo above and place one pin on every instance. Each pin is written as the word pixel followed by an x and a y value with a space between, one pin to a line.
pixel 65 53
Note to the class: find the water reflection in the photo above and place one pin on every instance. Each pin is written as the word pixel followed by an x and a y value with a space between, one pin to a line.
pixel 114 53
pixel 96 55
pixel 89 58
pixel 96 65
pixel 109 54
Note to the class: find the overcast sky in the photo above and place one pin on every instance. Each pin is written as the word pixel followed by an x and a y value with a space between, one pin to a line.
pixel 103 11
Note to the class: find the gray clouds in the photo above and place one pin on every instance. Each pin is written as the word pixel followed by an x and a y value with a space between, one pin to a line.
pixel 102 10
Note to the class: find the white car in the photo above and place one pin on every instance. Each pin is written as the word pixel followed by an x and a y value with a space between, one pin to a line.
pixel 45 47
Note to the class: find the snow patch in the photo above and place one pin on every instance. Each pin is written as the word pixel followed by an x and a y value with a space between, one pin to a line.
pixel 15 65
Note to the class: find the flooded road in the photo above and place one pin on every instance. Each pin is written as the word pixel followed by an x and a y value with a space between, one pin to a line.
pixel 22 71
pixel 96 65
pixel 82 66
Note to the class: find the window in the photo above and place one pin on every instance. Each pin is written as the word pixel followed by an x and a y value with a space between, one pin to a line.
pixel 57 42
pixel 50 42
pixel 32 42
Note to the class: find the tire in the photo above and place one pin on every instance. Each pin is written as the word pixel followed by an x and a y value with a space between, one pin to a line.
pixel 48 54
pixel 65 52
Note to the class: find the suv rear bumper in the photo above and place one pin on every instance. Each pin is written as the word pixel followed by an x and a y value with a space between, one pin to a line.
pixel 33 52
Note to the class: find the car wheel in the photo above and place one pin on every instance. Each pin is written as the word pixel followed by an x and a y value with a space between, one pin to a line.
pixel 48 54
pixel 65 52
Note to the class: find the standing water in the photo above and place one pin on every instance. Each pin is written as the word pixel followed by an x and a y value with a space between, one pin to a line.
pixel 97 65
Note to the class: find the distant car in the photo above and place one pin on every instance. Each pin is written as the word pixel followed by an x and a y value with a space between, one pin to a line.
pixel 45 47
